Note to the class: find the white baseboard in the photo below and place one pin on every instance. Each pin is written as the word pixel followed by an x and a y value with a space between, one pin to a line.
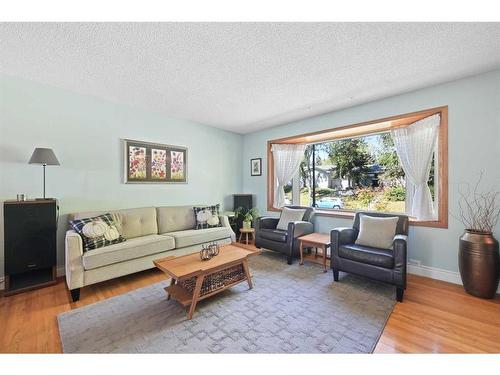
pixel 437 274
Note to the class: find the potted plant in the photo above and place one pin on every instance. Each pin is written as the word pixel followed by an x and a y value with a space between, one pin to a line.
pixel 479 262
pixel 246 215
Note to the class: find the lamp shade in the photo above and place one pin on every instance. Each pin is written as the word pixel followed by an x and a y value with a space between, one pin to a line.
pixel 44 156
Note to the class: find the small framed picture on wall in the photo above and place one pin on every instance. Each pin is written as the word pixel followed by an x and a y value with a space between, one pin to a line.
pixel 256 167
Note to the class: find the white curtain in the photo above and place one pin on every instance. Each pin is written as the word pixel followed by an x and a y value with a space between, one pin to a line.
pixel 287 160
pixel 415 146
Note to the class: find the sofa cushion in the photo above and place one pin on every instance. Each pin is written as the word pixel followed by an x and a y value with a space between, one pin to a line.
pixel 136 222
pixel 197 236
pixel 175 218
pixel 273 234
pixel 368 255
pixel 131 249
pixel 130 222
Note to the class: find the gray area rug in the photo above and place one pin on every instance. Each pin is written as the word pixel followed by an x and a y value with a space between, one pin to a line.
pixel 291 309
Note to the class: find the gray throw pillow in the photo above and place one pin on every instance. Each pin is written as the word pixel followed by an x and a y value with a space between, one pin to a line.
pixel 288 215
pixel 377 232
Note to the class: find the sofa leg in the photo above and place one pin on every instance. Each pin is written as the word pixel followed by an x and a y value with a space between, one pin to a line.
pixel 75 294
pixel 335 274
pixel 399 294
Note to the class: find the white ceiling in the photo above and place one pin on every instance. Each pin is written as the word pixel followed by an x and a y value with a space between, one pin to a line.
pixel 246 76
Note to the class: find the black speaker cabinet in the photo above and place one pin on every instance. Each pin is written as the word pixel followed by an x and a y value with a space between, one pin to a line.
pixel 30 229
pixel 242 200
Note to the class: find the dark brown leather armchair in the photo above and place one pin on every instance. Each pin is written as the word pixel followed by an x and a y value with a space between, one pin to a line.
pixel 283 241
pixel 385 265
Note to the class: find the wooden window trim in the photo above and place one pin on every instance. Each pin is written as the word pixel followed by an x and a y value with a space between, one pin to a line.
pixel 369 127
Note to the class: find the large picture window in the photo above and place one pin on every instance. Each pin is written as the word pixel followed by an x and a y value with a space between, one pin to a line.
pixel 396 165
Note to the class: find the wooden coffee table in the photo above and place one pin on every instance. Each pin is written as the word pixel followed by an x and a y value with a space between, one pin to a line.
pixel 193 279
pixel 316 240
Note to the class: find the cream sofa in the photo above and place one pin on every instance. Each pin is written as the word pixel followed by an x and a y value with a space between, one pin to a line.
pixel 151 233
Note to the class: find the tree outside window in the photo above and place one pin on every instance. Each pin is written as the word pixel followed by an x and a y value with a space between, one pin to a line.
pixel 362 173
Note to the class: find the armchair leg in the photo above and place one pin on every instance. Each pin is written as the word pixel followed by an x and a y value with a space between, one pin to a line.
pixel 75 294
pixel 335 274
pixel 399 294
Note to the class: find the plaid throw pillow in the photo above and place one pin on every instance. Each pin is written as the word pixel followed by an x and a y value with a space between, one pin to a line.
pixel 207 217
pixel 97 231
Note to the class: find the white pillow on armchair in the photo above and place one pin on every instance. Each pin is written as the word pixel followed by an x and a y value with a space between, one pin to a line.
pixel 377 232
pixel 288 215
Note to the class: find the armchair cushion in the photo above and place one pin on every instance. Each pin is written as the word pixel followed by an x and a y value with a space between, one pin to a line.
pixel 377 231
pixel 288 215
pixel 368 255
pixel 274 234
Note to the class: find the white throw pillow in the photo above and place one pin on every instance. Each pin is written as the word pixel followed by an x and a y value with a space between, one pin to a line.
pixel 377 231
pixel 288 215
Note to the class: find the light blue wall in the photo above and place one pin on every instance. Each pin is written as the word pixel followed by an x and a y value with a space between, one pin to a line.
pixel 85 134
pixel 474 145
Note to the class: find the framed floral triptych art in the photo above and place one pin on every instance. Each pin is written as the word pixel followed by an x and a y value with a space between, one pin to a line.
pixel 147 162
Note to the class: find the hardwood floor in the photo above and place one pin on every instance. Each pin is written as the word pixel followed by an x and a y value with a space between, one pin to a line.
pixel 28 321
pixel 438 317
pixel 435 317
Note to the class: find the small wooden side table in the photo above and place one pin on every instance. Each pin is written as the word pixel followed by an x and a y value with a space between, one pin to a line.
pixel 247 231
pixel 317 240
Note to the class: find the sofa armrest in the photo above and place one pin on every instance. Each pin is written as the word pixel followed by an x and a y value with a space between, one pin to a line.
pixel 266 223
pixel 299 228
pixel 73 260
pixel 224 220
pixel 400 248
pixel 341 236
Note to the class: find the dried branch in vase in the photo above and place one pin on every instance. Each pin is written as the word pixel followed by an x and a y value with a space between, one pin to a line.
pixel 479 211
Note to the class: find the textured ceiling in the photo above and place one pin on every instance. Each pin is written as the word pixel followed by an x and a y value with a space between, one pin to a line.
pixel 246 76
